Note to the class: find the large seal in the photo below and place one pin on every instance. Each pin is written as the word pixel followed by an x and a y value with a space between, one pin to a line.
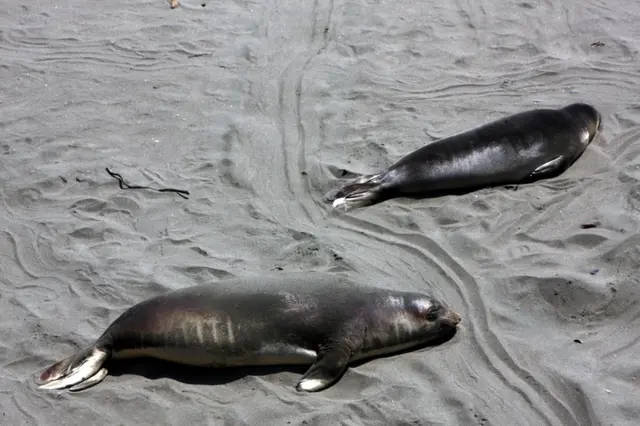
pixel 319 319
pixel 520 148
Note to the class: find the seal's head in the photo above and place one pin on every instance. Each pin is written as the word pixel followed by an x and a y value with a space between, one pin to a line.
pixel 431 313
pixel 403 320
pixel 588 117
pixel 413 316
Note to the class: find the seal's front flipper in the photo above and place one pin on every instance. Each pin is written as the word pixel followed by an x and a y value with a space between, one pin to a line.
pixel 326 370
pixel 548 168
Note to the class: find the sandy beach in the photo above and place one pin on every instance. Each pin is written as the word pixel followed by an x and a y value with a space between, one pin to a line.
pixel 257 109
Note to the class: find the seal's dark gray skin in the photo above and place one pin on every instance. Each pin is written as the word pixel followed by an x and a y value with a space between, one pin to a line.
pixel 318 319
pixel 521 148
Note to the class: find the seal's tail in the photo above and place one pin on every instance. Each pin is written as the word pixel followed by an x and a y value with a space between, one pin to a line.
pixel 78 372
pixel 360 192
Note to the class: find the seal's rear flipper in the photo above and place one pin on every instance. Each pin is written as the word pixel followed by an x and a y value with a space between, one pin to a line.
pixel 360 192
pixel 79 371
pixel 91 381
pixel 325 371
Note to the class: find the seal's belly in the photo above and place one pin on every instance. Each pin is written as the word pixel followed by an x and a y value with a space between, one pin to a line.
pixel 265 354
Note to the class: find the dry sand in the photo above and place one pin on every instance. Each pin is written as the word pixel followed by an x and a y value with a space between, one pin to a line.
pixel 256 108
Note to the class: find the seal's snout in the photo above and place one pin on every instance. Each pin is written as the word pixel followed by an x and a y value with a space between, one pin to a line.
pixel 451 318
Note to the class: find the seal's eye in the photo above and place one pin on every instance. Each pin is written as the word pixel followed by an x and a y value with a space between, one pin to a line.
pixel 432 313
pixel 426 309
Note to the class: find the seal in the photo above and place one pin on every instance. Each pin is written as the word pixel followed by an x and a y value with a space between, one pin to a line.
pixel 517 149
pixel 320 319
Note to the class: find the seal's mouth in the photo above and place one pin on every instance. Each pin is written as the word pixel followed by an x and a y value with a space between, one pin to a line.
pixel 451 318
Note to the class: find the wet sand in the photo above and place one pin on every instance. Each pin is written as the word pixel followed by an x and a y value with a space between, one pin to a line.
pixel 257 108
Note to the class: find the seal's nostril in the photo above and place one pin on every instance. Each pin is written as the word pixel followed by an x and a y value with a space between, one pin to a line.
pixel 452 318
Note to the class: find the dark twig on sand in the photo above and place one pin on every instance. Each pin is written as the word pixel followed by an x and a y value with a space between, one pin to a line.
pixel 123 185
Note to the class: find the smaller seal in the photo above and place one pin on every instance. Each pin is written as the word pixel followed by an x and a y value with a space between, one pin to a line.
pixel 517 149
pixel 316 319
